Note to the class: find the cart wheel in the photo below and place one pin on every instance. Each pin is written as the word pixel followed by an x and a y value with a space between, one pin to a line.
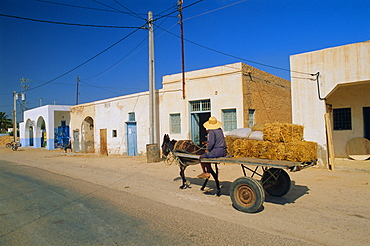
pixel 247 194
pixel 8 145
pixel 276 182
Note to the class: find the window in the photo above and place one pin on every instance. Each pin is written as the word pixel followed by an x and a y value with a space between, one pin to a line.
pixel 251 117
pixel 342 119
pixel 229 119
pixel 114 133
pixel 175 123
pixel 63 123
pixel 131 116
pixel 199 106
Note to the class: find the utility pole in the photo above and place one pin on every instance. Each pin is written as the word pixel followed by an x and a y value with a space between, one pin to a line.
pixel 40 101
pixel 15 96
pixel 77 83
pixel 152 101
pixel 180 2
pixel 24 88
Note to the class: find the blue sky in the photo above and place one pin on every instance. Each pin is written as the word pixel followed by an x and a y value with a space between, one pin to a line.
pixel 262 31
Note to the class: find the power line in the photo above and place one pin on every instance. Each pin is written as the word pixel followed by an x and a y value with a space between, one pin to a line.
pixel 82 7
pixel 132 13
pixel 106 5
pixel 215 9
pixel 126 56
pixel 63 23
pixel 118 60
pixel 236 57
pixel 187 6
pixel 87 60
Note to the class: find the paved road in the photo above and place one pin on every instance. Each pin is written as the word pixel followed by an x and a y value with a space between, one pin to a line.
pixel 38 207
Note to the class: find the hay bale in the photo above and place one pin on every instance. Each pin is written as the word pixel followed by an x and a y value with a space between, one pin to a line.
pixel 302 151
pixel 282 132
pixel 229 143
pixel 273 151
pixel 6 139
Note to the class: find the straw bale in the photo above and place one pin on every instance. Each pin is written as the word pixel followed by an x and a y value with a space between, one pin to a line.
pixel 273 151
pixel 6 139
pixel 229 143
pixel 302 151
pixel 282 132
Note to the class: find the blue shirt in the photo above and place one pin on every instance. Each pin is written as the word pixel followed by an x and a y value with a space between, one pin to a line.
pixel 216 144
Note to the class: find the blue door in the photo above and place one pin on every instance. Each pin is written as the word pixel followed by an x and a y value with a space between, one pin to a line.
pixel 76 141
pixel 131 138
pixel 195 134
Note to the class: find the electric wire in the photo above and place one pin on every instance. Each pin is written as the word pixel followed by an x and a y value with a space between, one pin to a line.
pixel 215 10
pixel 58 77
pixel 127 55
pixel 236 57
pixel 63 23
pixel 132 13
pixel 106 5
pixel 119 61
pixel 187 6
pixel 82 7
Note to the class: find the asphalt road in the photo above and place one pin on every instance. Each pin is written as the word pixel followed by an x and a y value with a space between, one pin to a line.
pixel 38 207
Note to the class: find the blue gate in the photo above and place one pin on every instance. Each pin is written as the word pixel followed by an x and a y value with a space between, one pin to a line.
pixel 131 138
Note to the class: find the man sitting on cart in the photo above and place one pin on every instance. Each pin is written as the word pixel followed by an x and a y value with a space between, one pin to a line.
pixel 216 145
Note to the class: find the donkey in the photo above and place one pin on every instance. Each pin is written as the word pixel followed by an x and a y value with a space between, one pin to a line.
pixel 187 146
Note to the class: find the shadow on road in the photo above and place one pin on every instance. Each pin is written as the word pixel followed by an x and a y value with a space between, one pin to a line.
pixel 296 191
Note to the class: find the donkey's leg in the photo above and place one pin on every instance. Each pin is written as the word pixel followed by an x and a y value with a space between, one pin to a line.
pixel 215 177
pixel 204 184
pixel 185 183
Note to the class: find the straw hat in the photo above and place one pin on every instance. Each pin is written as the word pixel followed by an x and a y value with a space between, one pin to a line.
pixel 212 123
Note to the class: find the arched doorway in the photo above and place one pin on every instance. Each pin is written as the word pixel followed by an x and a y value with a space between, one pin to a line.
pixel 87 138
pixel 28 134
pixel 39 140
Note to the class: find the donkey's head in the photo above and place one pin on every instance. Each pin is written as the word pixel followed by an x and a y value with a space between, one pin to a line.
pixel 167 145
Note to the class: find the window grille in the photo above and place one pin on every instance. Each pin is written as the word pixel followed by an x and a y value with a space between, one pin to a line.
pixel 175 123
pixel 342 119
pixel 229 119
pixel 199 106
pixel 251 113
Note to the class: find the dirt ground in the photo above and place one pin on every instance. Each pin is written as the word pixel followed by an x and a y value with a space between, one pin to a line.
pixel 323 207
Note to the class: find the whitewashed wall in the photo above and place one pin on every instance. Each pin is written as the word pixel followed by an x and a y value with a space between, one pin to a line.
pixel 339 65
pixel 222 85
pixel 52 115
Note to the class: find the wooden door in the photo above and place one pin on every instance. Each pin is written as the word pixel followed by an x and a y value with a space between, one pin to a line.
pixel 103 142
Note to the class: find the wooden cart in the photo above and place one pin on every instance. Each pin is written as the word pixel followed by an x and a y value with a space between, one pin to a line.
pixel 248 192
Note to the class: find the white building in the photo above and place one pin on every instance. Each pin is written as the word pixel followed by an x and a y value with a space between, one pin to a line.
pixel 342 91
pixel 41 125
pixel 237 94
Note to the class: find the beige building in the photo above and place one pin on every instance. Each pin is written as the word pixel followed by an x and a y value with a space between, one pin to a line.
pixel 342 91
pixel 237 94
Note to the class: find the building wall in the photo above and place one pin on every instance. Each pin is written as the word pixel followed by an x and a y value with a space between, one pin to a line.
pixel 52 115
pixel 268 95
pixel 343 65
pixel 221 85
pixel 112 114
pixel 354 96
